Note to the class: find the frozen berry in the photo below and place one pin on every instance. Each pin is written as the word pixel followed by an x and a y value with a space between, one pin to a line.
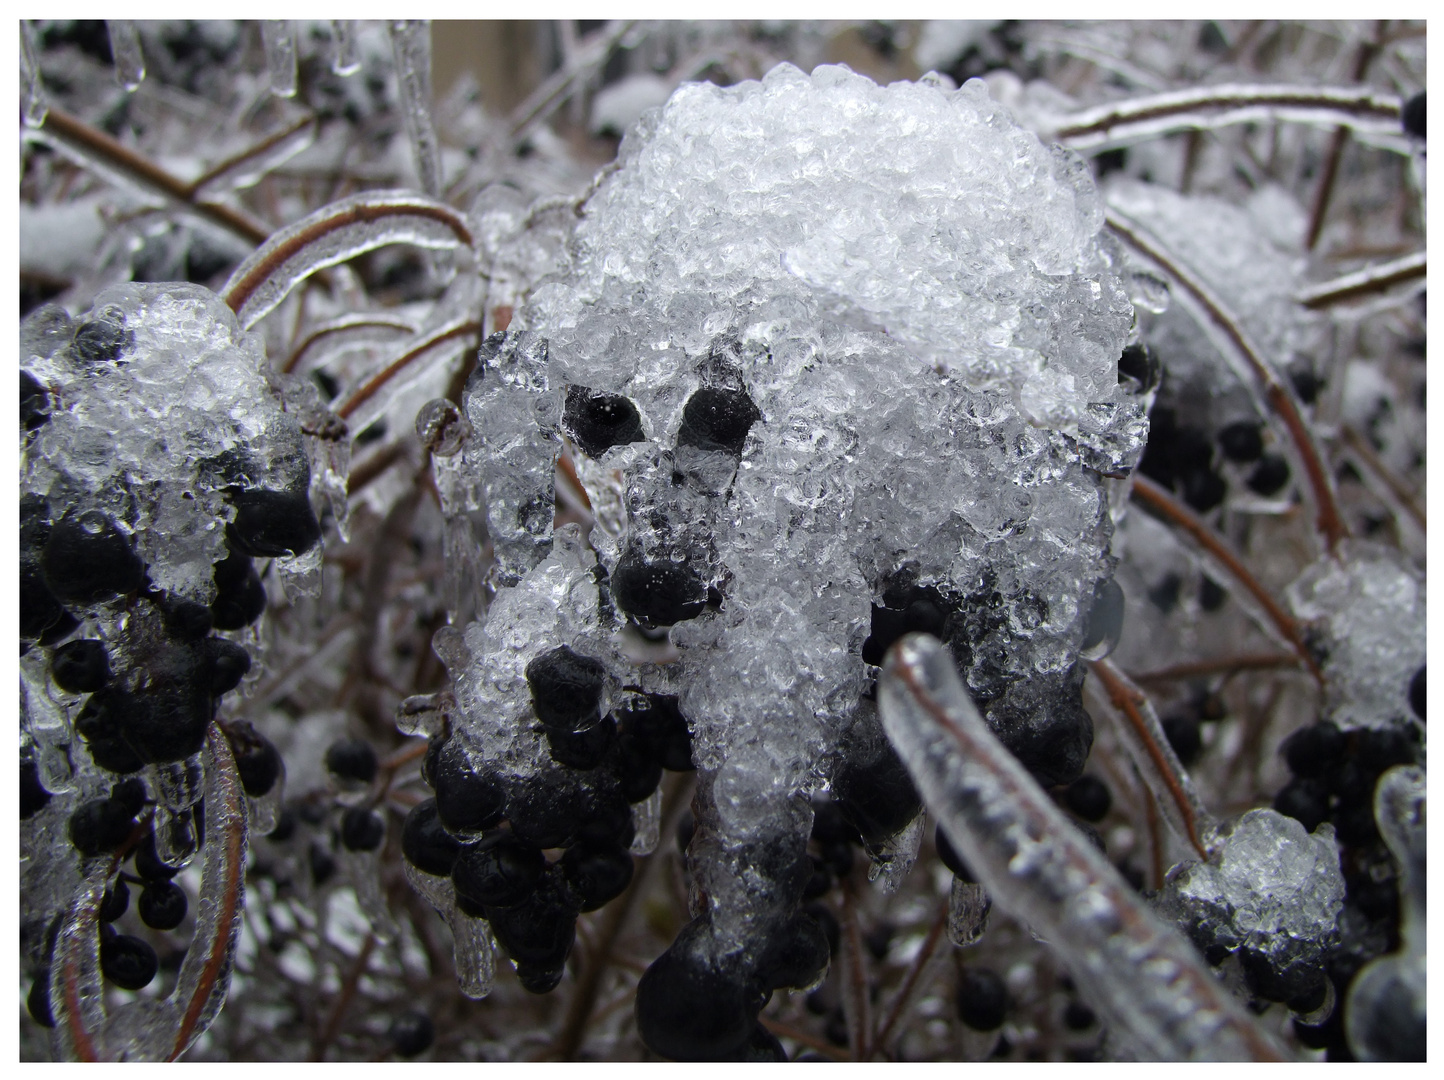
pixel 688 1010
pixel 1088 797
pixel 795 956
pixel 819 882
pixel 566 688
pixel 1140 363
pixel 499 872
pixel 362 829
pixel 411 1033
pixel 240 596
pixel 99 826
pixel 185 620
pixel 148 864
pixel 130 793
pixel 227 663
pixel 583 750
pixel 128 961
pixel 1414 116
pixel 87 559
pixel 114 902
pixel 80 667
pixel 982 999
pixel 839 859
pixel 1305 381
pixel 101 339
pixel 1313 750
pixel 37 1002
pixel 166 722
pixel 322 864
pixel 466 801
pixel 661 725
pixel 351 759
pixel 1383 748
pixel 272 524
pixel 1241 441
pixel 598 873
pixel 950 857
pixel 537 934
pixel 830 827
pixel 1269 476
pixel 1184 736
pixel 1306 801
pixel 1416 692
pixel 258 762
pixel 39 609
pixel 33 796
pixel 162 905
pixel 1203 489
pixel 717 419
pixel 426 844
pixel 821 914
pixel 876 795
pixel 597 422
pixel 661 593
pixel 637 767
pixel 100 724
pixel 1079 1017
pixel 1211 594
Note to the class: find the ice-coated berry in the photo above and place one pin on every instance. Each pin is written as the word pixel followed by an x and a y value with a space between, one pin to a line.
pixel 915 611
pixel 818 882
pixel 39 609
pixel 688 1010
pixel 33 796
pixel 538 933
pixel 657 593
pixel 796 955
pixel 597 422
pixel 362 829
pixel 80 667
pixel 1414 115
pixel 258 762
pixel 128 962
pixel 185 620
pixel 1306 801
pixel 1078 1017
pixel 88 559
pixel 982 999
pixel 99 723
pixel 352 759
pixel 166 722
pixel 34 402
pixel 661 725
pixel 498 872
pixel 425 842
pixel 1269 476
pixel 1140 363
pixel 583 750
pixel 162 905
pixel 637 767
pixel 272 524
pixel 597 873
pixel 1184 736
pixel 1416 692
pixel 148 864
pixel 566 688
pixel 1241 441
pixel 466 801
pixel 227 663
pixel 130 793
pixel 411 1033
pixel 99 826
pixel 1211 594
pixel 717 419
pixel 37 1002
pixel 876 796
pixel 114 902
pixel 829 826
pixel 1088 797
pixel 240 596
pixel 1314 750
pixel 102 339
pixel 950 857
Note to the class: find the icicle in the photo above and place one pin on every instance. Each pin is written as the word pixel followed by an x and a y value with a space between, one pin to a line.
pixel 647 820
pixel 125 48
pixel 1139 971
pixel 33 104
pixel 968 907
pixel 422 714
pixel 175 837
pixel 343 36
pixel 178 785
pixel 47 725
pixel 411 45
pixel 471 938
pixel 894 857
pixel 363 870
pixel 262 813
pixel 280 45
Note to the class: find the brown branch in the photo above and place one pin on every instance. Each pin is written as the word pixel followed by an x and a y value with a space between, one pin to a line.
pixel 341 326
pixel 337 1014
pixel 1366 282
pixel 859 1024
pixel 437 337
pixel 1126 700
pixel 904 995
pixel 1276 395
pixel 70 132
pixel 1154 496
pixel 1361 448
pixel 1325 191
pixel 235 161
pixel 1218 666
pixel 1155 842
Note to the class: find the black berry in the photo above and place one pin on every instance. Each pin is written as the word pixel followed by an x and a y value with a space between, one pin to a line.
pixel 566 688
pixel 162 905
pixel 425 843
pixel 185 620
pixel 1414 116
pixel 597 422
pixel 102 339
pixel 240 596
pixel 1088 797
pixel 351 759
pixel 982 999
pixel 1079 1017
pixel 661 593
pixel 272 524
pixel 637 767
pixel 1184 736
pixel 1140 363
pixel 466 801
pixel 80 667
pixel 128 961
pixel 1313 750
pixel 227 663
pixel 130 793
pixel 818 882
pixel 99 826
pixel 583 750
pixel 1306 801
pixel 597 873
pixel 148 864
pixel 1241 441
pixel 99 723
pixel 796 955
pixel 499 872
pixel 322 863
pixel 661 726
pixel 33 796
pixel 717 419
pixel 1269 476
pixel 1211 594
pixel 688 1010
pixel 876 795
pixel 537 934
pixel 362 829
pixel 411 1033
pixel 88 559
pixel 950 857
pixel 37 1002
pixel 258 762
pixel 114 902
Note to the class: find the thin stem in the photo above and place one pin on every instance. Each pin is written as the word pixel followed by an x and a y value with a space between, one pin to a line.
pixel 1155 842
pixel 1325 191
pixel 1365 453
pixel 1276 395
pixel 450 331
pixel 1222 665
pixel 1366 282
pixel 904 995
pixel 343 1000
pixel 859 1020
pixel 236 161
pixel 1154 496
pixel 344 325
pixel 550 95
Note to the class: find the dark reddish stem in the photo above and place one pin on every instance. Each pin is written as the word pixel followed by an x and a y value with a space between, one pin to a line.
pixel 904 996
pixel 426 344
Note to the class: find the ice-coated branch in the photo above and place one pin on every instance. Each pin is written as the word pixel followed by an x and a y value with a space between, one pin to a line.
pixel 902 1001
pixel 279 41
pixel 333 234
pixel 33 105
pixel 1143 737
pixel 1140 972
pixel 1398 492
pixel 443 341
pixel 411 46
pixel 1247 358
pixel 126 51
pixel 549 96
pixel 1204 107
pixel 1366 282
pixel 335 333
pixel 1211 544
pixel 344 60
pixel 250 165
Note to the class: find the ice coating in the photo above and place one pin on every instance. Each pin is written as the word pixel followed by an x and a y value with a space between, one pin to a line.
pixel 860 343
pixel 1270 888
pixel 1366 613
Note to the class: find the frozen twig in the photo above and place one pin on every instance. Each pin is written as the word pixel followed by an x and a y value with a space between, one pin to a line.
pixel 248 166
pixel 1244 354
pixel 1324 193
pixel 1220 665
pixel 1203 107
pixel 1161 502
pixel 1366 282
pixel 1140 972
pixel 348 327
pixel 337 1015
pixel 857 1002
pixel 903 999
pixel 550 95
pixel 411 46
pixel 1396 487
pixel 450 335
